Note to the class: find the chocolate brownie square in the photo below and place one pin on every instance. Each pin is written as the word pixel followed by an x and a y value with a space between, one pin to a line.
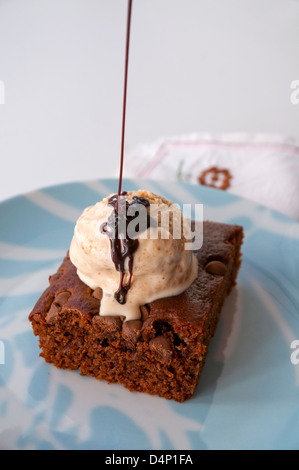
pixel 161 353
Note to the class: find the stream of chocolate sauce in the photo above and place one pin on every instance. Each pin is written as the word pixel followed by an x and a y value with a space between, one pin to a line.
pixel 122 246
pixel 125 96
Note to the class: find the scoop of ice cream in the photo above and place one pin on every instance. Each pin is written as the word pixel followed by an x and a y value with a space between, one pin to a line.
pixel 161 266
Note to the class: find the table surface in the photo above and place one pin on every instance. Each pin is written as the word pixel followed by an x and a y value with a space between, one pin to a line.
pixel 197 66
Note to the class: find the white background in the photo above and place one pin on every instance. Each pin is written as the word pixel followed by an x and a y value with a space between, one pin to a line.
pixel 195 66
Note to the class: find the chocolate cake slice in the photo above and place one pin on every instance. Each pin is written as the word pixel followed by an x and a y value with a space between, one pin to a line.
pixel 162 353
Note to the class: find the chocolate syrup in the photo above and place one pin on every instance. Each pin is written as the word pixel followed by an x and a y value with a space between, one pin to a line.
pixel 125 96
pixel 122 246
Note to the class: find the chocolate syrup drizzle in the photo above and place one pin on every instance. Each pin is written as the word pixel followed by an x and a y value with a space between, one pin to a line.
pixel 125 96
pixel 123 247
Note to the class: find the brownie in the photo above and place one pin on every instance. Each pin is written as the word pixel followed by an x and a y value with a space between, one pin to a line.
pixel 164 351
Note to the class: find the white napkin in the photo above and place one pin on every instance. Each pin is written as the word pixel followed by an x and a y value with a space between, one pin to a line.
pixel 261 168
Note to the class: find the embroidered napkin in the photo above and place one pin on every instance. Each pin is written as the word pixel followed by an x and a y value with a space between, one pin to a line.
pixel 261 168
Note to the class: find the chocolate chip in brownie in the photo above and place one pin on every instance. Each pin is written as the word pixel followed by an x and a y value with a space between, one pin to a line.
pixel 62 298
pixel 131 331
pixel 98 293
pixel 113 321
pixel 162 347
pixel 216 267
pixel 53 312
pixel 57 304
pixel 144 309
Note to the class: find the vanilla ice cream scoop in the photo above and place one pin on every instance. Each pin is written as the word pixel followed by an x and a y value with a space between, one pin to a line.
pixel 134 249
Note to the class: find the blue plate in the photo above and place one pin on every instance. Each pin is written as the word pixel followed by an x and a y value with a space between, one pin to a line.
pixel 248 394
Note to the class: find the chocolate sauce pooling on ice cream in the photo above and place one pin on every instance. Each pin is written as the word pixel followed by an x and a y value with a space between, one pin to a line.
pixel 123 247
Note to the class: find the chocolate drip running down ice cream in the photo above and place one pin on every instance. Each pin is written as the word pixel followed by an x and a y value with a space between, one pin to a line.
pixel 123 246
pixel 158 264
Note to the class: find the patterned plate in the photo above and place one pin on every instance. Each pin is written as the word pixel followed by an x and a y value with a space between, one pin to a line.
pixel 248 394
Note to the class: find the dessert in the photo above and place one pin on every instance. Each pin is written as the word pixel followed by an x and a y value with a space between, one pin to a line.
pixel 150 332
pixel 161 264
